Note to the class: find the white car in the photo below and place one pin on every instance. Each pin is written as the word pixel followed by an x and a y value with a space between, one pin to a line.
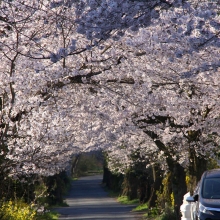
pixel 206 200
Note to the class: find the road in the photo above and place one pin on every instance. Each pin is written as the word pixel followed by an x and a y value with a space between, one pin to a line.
pixel 88 200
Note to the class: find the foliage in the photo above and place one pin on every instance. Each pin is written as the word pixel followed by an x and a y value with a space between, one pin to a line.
pixel 30 201
pixel 88 163
pixel 156 214
pixel 165 196
pixel 125 200
pixel 57 186
pixel 50 215
pixel 33 198
pixel 141 207
pixel 17 210
pixel 107 59
pixel 167 215
pixel 187 180
pixel 153 213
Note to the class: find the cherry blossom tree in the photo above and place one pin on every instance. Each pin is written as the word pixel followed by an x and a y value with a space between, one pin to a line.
pixel 90 74
pixel 44 58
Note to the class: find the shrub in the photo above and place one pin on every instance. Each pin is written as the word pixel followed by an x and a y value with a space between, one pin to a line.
pixel 17 210
pixel 168 214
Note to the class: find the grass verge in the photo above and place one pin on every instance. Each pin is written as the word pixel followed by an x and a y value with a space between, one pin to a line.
pixel 141 208
pixel 51 215
pixel 126 201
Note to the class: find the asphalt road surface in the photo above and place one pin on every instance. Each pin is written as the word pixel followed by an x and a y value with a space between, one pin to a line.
pixel 88 200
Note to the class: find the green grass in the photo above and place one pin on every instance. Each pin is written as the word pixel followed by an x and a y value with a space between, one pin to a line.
pixel 60 204
pixel 155 214
pixel 54 216
pixel 126 201
pixel 142 207
pixel 51 215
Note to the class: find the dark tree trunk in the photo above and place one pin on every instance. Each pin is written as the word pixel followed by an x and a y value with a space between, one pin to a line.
pixel 155 185
pixel 112 181
pixel 130 185
pixel 179 187
pixel 178 179
pixel 196 168
pixel 74 164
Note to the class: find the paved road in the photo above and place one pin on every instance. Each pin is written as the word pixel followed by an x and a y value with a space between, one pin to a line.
pixel 88 200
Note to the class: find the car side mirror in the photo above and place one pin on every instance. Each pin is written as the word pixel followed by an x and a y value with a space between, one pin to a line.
pixel 193 198
pixel 196 197
pixel 190 199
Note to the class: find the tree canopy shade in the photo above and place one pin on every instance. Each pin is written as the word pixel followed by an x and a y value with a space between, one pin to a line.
pixel 118 75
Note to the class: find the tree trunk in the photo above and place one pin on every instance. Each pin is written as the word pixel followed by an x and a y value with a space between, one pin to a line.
pixel 112 181
pixel 179 187
pixel 196 168
pixel 74 164
pixel 130 185
pixel 155 185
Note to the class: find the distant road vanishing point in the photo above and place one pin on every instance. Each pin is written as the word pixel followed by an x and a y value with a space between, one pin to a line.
pixel 88 200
